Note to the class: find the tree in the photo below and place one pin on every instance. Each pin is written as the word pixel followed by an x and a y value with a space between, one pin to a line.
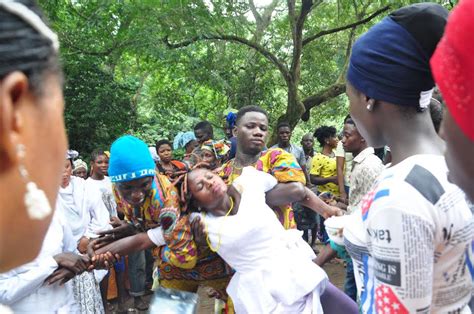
pixel 164 65
pixel 297 15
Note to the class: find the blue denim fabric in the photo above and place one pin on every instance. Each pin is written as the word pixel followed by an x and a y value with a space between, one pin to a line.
pixel 137 273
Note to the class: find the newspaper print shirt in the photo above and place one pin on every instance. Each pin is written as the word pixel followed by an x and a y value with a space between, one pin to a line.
pixel 419 232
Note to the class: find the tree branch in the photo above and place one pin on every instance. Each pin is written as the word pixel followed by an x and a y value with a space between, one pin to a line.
pixel 306 6
pixel 317 99
pixel 106 52
pixel 256 15
pixel 350 42
pixel 348 26
pixel 257 47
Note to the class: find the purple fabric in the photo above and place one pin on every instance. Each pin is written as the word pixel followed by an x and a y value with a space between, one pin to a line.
pixel 335 301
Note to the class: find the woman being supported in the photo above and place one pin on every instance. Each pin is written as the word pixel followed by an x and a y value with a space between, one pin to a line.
pixel 274 268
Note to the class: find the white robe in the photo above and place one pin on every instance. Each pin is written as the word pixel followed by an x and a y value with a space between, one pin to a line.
pixel 274 268
pixel 23 288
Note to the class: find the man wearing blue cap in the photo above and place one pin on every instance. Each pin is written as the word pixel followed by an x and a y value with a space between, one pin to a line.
pixel 145 196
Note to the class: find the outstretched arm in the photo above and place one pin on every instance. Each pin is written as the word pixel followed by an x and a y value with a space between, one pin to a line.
pixel 287 193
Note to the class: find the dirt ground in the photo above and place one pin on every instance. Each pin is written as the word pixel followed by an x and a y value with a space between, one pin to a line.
pixel 334 269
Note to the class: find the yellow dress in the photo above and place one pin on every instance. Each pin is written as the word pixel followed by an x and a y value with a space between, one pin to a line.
pixel 324 166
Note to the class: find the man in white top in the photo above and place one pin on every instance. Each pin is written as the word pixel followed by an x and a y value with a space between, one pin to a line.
pixel 344 167
pixel 100 185
pixel 365 166
pixel 36 287
pixel 365 169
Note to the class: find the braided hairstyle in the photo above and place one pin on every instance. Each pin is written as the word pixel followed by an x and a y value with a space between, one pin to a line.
pixel 23 48
pixel 186 198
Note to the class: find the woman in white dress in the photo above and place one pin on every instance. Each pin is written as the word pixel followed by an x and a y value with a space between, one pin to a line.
pixel 274 268
pixel 81 206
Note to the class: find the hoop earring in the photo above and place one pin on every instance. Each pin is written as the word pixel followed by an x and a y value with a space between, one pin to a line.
pixel 36 202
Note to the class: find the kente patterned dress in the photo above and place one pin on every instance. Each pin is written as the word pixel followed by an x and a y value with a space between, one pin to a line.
pixel 280 164
pixel 181 265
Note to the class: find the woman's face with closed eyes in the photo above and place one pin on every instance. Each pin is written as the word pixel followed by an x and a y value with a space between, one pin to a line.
pixel 207 189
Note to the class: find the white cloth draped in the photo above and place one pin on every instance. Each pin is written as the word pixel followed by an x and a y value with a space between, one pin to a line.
pixel 274 268
pixel 23 288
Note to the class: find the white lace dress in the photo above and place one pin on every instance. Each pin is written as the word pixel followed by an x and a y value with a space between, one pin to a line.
pixel 274 268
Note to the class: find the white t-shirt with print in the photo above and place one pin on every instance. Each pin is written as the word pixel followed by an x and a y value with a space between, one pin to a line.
pixel 104 188
pixel 419 232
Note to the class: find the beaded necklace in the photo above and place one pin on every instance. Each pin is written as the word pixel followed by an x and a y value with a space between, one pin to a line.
pixel 220 229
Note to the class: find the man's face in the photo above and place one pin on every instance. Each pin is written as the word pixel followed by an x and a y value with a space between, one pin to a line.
pixel 201 136
pixel 307 142
pixel 351 141
pixel 101 165
pixel 284 135
pixel 135 191
pixel 251 132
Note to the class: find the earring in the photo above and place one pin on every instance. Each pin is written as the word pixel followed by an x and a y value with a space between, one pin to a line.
pixel 369 107
pixel 36 202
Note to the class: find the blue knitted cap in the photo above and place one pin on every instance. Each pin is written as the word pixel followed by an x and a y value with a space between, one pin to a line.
pixel 130 159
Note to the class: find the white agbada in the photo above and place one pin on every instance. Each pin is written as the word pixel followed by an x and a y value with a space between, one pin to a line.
pixel 274 268
pixel 83 208
pixel 23 288
pixel 86 214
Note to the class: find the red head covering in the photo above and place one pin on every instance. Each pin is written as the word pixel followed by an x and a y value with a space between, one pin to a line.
pixel 453 66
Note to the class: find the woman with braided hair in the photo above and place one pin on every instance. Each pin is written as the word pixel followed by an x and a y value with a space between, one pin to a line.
pixel 274 268
pixel 32 130
pixel 145 196
pixel 168 166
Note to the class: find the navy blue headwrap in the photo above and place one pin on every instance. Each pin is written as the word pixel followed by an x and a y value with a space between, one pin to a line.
pixel 391 61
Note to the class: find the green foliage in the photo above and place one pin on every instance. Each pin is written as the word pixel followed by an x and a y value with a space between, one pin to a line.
pixel 97 107
pixel 121 77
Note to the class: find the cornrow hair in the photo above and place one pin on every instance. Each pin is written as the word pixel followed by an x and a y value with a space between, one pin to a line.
pixel 181 183
pixel 26 43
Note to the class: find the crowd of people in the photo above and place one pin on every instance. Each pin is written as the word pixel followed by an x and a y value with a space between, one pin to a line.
pixel 226 216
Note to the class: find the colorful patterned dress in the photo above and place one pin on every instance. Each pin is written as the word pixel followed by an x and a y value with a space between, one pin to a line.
pixel 280 164
pixel 181 265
